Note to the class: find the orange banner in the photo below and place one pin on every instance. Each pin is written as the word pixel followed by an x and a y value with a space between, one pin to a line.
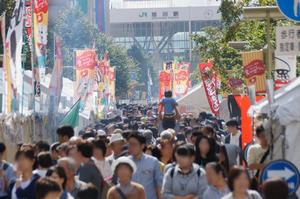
pixel 181 82
pixel 254 69
pixel 164 83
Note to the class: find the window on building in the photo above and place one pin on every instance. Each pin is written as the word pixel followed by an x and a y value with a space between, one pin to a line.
pixel 165 14
pixel 175 14
pixel 154 14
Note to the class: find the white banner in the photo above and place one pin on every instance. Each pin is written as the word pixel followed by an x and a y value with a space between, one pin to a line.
pixel 14 40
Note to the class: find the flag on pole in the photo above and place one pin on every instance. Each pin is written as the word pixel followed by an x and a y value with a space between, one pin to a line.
pixel 56 82
pixel 13 62
pixel 72 117
pixel 2 30
pixel 150 84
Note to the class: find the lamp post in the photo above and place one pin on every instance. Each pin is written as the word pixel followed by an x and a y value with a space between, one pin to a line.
pixel 264 13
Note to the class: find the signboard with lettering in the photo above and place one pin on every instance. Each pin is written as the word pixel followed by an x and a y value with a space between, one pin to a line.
pixel 288 40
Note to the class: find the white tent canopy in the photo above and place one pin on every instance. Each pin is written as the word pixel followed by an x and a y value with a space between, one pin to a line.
pixel 195 101
pixel 287 112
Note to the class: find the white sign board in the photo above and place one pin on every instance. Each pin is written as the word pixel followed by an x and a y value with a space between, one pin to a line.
pixel 288 40
pixel 285 67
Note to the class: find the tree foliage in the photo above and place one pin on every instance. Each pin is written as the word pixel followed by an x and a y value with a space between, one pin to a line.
pixel 212 43
pixel 78 33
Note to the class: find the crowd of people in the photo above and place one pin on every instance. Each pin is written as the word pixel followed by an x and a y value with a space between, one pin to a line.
pixel 149 152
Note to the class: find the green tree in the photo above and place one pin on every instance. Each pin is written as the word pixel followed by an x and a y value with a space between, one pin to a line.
pixel 78 33
pixel 213 43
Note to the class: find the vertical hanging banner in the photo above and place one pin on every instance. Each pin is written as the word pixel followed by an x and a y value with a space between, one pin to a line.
pixel 56 82
pixel 28 21
pixel 164 83
pixel 209 79
pixel 85 76
pixel 112 85
pixel 180 82
pixel 13 59
pixel 254 69
pixel 40 23
pixel 2 30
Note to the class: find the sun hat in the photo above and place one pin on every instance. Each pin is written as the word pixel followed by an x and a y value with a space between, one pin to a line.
pixel 101 133
pixel 116 138
pixel 123 160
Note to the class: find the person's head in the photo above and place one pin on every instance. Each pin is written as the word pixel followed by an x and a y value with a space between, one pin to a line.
pixel 44 160
pixel 209 131
pixel 69 166
pixel 116 143
pixel 25 159
pixel 63 149
pixel 99 150
pixel 136 142
pixel 215 173
pixel 58 174
pixel 195 133
pixel 47 188
pixel 54 150
pixel 261 135
pixel 168 94
pixel 185 155
pixel 65 133
pixel 275 189
pixel 204 148
pixel 88 191
pixel 71 151
pixel 42 146
pixel 166 148
pixel 238 179
pixel 2 150
pixel 124 168
pixel 232 126
pixel 84 150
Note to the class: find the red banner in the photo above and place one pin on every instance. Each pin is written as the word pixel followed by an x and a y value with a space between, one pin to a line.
pixel 28 21
pixel 181 82
pixel 209 79
pixel 164 83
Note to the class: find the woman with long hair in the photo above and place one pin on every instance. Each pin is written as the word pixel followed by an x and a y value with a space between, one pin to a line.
pixel 205 151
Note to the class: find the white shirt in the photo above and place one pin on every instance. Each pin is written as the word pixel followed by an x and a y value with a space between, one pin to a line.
pixel 104 167
pixel 40 172
pixel 255 154
pixel 23 186
pixel 235 139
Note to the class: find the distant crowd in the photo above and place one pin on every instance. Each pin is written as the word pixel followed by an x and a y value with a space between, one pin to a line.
pixel 148 152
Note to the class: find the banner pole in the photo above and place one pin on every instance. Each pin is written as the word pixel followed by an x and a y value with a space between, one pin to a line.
pixel 32 64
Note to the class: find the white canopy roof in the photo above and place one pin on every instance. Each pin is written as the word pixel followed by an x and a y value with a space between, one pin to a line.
pixel 284 95
pixel 195 101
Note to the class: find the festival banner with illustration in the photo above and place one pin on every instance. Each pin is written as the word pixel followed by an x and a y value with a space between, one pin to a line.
pixel 104 87
pixel 85 76
pixel 2 31
pixel 13 60
pixel 210 82
pixel 164 82
pixel 40 22
pixel 28 21
pixel 180 82
pixel 254 69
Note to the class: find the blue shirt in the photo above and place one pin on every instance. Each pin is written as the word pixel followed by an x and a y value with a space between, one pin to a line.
pixel 184 184
pixel 148 174
pixel 213 193
pixel 9 175
pixel 169 105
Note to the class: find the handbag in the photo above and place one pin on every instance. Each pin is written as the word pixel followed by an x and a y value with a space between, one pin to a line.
pixel 254 184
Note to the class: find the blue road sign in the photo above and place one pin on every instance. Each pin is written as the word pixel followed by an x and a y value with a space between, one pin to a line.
pixel 285 170
pixel 290 9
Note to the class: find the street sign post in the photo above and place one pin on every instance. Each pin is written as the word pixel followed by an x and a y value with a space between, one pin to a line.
pixel 284 170
pixel 290 9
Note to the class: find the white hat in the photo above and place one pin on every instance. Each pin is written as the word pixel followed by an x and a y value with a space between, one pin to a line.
pixel 101 132
pixel 123 160
pixel 116 138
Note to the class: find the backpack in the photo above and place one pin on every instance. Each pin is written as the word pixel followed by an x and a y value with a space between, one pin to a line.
pixel 173 170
